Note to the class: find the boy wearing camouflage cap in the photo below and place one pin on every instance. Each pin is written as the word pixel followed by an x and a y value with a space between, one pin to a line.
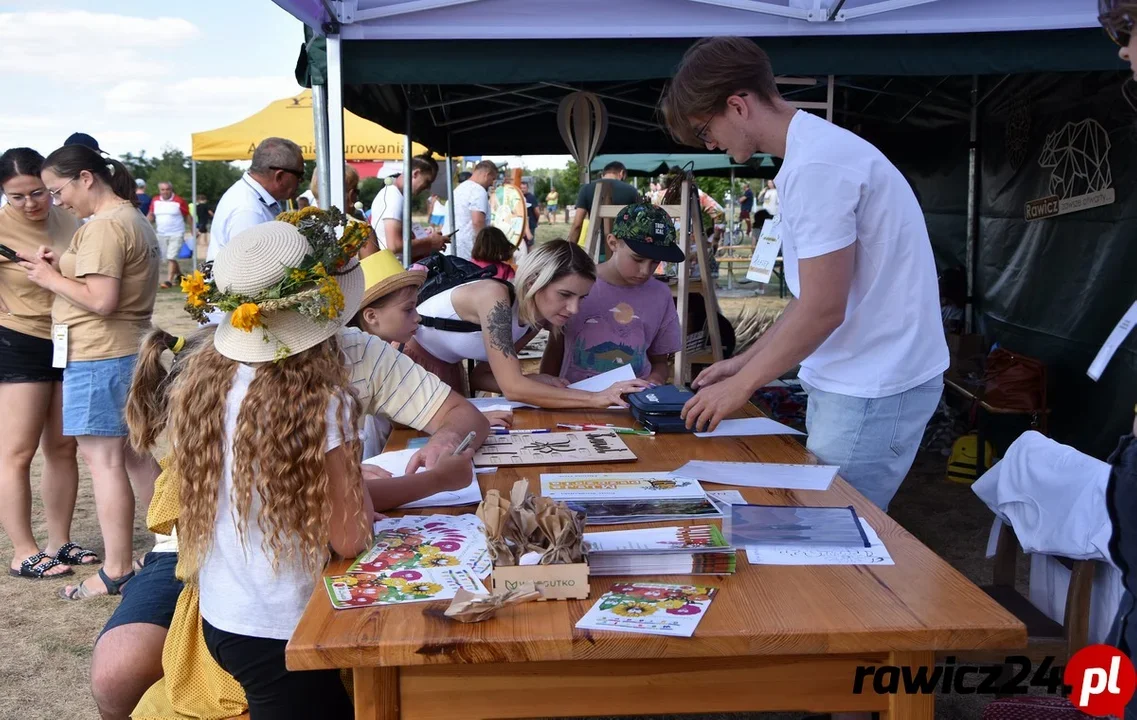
pixel 629 317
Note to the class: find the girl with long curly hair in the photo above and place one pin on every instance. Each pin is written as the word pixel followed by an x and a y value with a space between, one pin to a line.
pixel 262 426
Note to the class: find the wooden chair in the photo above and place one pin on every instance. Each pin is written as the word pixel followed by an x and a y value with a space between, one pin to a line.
pixel 1045 637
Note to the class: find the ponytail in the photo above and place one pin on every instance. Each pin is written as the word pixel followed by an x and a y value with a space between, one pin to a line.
pixel 146 411
pixel 120 180
pixel 71 160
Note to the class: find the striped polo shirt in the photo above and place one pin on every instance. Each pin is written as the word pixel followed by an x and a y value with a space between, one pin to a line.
pixel 389 382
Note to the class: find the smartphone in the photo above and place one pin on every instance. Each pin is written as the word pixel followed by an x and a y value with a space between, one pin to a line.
pixel 9 253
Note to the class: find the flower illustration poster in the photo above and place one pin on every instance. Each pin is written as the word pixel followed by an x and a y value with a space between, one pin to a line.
pixel 650 608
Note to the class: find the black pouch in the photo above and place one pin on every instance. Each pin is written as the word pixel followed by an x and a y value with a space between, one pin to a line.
pixel 658 408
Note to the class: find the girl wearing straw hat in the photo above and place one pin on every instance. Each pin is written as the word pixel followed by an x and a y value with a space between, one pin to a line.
pixel 263 429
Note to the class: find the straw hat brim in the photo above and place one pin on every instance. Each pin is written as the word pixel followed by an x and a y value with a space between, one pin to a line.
pixel 288 328
pixel 386 286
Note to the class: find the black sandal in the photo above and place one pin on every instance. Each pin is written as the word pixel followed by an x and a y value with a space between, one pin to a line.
pixel 72 554
pixel 80 591
pixel 33 570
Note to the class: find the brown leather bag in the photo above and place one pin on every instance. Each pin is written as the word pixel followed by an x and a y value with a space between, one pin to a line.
pixel 1014 381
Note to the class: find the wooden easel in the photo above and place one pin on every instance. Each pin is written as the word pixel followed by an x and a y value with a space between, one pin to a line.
pixel 691 232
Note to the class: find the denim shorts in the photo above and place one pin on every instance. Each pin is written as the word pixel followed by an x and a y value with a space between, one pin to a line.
pixel 151 595
pixel 94 396
pixel 873 440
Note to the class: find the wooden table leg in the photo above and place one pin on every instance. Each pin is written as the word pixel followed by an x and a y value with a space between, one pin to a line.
pixel 911 706
pixel 376 693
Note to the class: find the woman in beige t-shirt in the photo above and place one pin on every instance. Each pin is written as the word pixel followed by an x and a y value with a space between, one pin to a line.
pixel 104 285
pixel 31 390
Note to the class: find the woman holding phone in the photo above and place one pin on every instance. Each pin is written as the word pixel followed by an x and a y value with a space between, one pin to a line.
pixel 104 284
pixel 31 389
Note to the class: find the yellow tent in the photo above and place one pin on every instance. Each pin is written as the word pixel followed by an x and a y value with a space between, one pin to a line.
pixel 292 118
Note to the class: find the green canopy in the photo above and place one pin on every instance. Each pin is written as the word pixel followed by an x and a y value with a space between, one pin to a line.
pixel 500 97
pixel 719 164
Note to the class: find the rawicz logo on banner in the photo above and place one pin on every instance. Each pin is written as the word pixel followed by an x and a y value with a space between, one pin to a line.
pixel 1080 177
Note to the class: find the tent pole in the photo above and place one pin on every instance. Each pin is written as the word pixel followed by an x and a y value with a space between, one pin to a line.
pixel 733 212
pixel 450 194
pixel 972 210
pixel 407 190
pixel 336 164
pixel 196 219
pixel 320 128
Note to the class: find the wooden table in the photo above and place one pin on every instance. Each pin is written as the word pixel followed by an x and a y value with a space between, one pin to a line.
pixel 775 637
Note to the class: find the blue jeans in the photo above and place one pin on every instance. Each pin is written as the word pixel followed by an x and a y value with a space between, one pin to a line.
pixel 1121 501
pixel 872 440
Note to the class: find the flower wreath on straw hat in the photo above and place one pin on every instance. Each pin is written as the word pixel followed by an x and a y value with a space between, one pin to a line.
pixel 383 274
pixel 295 278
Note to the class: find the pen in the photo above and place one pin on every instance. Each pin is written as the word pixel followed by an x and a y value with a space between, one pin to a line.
pixel 465 443
pixel 571 427
pixel 503 431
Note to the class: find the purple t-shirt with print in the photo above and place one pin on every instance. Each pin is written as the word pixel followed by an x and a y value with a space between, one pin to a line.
pixel 620 326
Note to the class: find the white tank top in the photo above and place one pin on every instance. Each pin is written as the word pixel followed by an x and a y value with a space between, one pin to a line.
pixel 452 347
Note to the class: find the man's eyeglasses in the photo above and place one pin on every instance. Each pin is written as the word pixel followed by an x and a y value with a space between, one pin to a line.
pixel 1117 20
pixel 292 171
pixel 35 196
pixel 701 133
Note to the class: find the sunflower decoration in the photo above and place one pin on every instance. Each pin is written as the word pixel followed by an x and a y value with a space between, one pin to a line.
pixel 423 589
pixel 634 609
pixel 310 288
pixel 439 560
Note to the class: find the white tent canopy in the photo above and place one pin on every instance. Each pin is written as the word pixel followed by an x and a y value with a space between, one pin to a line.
pixel 513 19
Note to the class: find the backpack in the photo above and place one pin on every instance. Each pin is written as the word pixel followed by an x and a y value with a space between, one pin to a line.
pixel 444 272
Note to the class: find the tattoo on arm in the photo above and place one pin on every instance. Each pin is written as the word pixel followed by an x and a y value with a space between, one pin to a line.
pixel 499 327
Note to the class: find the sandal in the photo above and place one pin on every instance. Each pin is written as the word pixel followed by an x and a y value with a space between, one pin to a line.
pixel 33 570
pixel 71 554
pixel 166 285
pixel 80 591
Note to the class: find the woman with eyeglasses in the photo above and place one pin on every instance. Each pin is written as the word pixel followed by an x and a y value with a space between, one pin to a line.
pixel 105 284
pixel 31 390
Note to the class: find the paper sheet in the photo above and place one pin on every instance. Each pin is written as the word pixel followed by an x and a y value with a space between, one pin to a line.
pixel 875 554
pixel 760 475
pixel 749 426
pixel 605 380
pixel 730 497
pixel 488 404
pixel 395 462
pixel 1120 331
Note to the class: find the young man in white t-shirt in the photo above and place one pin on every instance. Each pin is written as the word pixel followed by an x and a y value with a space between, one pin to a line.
pixel 387 212
pixel 472 206
pixel 864 322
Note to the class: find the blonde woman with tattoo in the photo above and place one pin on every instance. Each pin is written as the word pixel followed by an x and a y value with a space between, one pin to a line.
pixel 498 319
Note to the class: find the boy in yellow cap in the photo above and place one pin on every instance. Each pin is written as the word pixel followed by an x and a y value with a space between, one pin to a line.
pixel 389 311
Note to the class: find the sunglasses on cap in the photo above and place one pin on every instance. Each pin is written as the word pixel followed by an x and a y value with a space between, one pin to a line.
pixel 1116 17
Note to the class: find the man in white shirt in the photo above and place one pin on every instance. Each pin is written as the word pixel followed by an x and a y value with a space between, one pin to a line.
pixel 274 176
pixel 171 217
pixel 387 212
pixel 864 322
pixel 472 206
